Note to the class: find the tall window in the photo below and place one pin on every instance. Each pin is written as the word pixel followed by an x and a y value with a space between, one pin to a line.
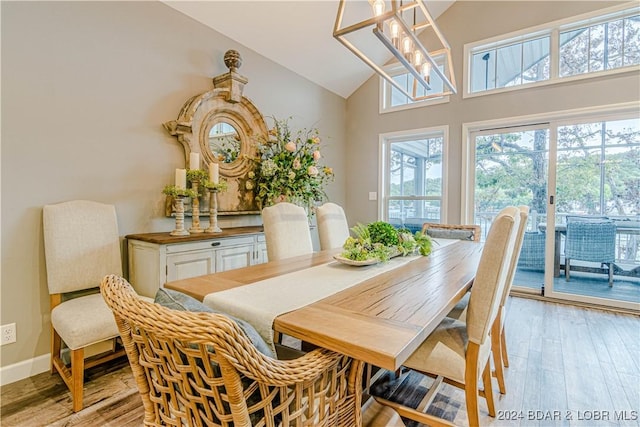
pixel 413 177
pixel 602 42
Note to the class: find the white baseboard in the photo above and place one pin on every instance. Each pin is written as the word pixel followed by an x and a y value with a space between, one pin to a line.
pixel 25 369
pixel 37 365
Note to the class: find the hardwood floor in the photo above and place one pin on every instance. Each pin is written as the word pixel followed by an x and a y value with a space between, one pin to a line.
pixel 568 366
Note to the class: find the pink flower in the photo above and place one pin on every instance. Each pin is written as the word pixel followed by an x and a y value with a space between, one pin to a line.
pixel 296 163
pixel 290 146
pixel 316 155
pixel 312 171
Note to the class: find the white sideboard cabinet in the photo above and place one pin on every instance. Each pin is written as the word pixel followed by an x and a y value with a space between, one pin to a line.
pixel 157 258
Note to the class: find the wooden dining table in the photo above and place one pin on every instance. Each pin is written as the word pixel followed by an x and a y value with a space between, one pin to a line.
pixel 381 320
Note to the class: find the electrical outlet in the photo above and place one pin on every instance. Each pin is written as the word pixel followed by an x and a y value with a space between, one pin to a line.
pixel 8 334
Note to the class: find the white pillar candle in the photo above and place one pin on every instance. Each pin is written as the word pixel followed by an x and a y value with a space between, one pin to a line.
pixel 214 172
pixel 194 161
pixel 181 178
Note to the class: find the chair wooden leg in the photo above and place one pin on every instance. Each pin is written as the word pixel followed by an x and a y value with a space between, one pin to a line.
pixel 566 269
pixel 471 384
pixel 503 348
pixel 488 389
pixel 496 351
pixel 56 346
pixel 77 378
pixel 610 274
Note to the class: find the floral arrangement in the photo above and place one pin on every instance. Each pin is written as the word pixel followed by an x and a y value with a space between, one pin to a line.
pixel 380 241
pixel 287 168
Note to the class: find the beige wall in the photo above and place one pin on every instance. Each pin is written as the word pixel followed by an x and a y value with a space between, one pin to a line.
pixel 467 22
pixel 86 87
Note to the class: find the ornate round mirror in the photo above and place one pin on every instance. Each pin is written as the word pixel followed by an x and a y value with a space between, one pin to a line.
pixel 222 125
pixel 224 142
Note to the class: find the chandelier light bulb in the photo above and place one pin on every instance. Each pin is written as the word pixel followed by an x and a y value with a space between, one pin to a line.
pixel 417 58
pixel 378 7
pixel 426 71
pixel 394 27
pixel 407 45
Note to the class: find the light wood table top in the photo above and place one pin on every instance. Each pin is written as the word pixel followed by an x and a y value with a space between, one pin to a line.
pixel 379 321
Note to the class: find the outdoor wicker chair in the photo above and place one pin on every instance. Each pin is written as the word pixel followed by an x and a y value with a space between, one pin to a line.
pixel 452 231
pixel 195 369
pixel 590 239
pixel 532 252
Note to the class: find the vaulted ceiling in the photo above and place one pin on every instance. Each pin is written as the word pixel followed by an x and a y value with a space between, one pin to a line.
pixel 295 34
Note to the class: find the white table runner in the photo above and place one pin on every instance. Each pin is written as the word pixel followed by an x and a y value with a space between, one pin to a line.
pixel 261 302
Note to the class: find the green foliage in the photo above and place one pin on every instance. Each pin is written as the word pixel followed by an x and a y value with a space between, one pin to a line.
pixel 197 175
pixel 173 191
pixel 220 186
pixel 369 242
pixel 383 232
pixel 287 168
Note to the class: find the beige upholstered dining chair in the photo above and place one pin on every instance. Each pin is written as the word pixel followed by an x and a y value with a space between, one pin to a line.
pixel 458 352
pixel 195 368
pixel 452 231
pixel 81 245
pixel 286 231
pixel 333 228
pixel 499 342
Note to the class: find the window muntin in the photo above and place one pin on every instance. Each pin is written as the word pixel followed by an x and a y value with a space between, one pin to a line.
pixel 414 177
pixel 592 43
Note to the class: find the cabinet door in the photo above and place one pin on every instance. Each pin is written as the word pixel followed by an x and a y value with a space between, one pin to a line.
pixel 190 264
pixel 233 257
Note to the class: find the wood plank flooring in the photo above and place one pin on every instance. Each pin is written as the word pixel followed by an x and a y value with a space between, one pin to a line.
pixel 569 366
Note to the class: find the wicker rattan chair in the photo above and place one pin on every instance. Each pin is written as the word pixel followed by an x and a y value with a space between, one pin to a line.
pixel 592 240
pixel 200 369
pixel 452 231
pixel 532 253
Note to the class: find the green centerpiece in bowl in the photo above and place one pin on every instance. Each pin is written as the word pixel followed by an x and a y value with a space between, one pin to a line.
pixel 379 241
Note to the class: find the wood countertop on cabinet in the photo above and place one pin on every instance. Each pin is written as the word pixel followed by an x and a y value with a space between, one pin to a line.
pixel 164 238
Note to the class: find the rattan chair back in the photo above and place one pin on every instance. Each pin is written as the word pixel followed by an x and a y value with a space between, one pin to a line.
pixel 200 369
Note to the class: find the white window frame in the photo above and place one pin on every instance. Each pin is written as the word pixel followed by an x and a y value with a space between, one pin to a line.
pixel 384 154
pixel 385 91
pixel 552 29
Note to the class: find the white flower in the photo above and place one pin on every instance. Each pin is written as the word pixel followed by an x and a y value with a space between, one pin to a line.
pixel 291 175
pixel 249 185
pixel 312 171
pixel 269 167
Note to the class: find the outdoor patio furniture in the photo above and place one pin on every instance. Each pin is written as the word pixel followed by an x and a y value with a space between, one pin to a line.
pixel 532 253
pixel 591 239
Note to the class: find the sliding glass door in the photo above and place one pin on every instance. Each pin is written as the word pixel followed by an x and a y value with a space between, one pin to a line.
pixel 580 178
pixel 511 168
pixel 597 219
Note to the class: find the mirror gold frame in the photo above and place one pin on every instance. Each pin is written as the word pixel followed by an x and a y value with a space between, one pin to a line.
pixel 224 103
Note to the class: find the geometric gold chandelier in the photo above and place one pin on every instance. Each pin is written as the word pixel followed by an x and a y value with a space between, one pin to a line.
pixel 395 25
